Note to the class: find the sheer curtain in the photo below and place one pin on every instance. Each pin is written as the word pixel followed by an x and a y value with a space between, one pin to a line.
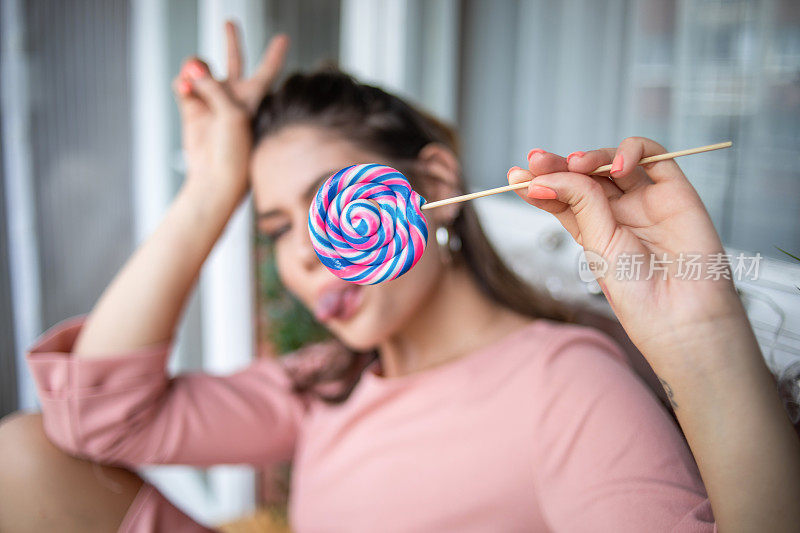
pixel 707 70
pixel 578 74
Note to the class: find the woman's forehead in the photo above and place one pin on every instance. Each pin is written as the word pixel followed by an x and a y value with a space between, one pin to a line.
pixel 298 158
pixel 288 164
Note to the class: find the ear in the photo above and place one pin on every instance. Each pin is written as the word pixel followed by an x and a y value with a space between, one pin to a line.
pixel 441 165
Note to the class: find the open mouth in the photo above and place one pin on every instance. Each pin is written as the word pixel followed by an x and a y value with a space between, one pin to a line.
pixel 338 302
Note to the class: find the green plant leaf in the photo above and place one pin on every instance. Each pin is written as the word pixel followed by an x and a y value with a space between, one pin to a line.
pixel 787 253
pixel 290 324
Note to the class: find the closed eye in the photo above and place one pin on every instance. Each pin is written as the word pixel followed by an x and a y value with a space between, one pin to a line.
pixel 275 234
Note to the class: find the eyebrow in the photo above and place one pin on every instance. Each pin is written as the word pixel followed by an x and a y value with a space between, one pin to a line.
pixel 310 191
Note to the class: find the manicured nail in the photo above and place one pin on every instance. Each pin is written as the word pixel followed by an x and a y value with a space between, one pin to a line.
pixel 534 151
pixel 618 163
pixel 575 154
pixel 184 87
pixel 195 71
pixel 540 192
pixel 511 170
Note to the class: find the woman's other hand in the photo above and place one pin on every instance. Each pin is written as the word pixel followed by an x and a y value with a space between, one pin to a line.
pixel 641 215
pixel 215 118
pixel 693 332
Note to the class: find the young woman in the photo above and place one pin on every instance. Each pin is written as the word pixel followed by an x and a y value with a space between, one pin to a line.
pixel 483 411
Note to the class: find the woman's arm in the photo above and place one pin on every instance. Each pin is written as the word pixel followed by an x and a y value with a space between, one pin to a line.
pixel 726 402
pixel 693 332
pixel 101 378
pixel 124 409
pixel 144 302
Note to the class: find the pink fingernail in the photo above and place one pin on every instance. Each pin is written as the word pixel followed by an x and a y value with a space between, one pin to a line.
pixel 184 87
pixel 512 169
pixel 195 71
pixel 540 192
pixel 618 163
pixel 534 151
pixel 575 154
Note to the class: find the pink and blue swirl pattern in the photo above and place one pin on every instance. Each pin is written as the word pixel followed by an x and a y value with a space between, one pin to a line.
pixel 366 224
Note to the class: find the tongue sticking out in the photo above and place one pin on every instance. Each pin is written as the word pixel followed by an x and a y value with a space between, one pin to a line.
pixel 349 299
pixel 330 304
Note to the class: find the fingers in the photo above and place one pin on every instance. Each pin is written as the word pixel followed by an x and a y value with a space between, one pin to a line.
pixel 587 162
pixel 181 86
pixel 520 175
pixel 557 208
pixel 589 204
pixel 271 62
pixel 234 51
pixel 633 149
pixel 541 162
pixel 212 92
pixel 188 102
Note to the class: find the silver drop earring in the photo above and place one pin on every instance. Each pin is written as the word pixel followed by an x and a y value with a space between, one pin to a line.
pixel 449 243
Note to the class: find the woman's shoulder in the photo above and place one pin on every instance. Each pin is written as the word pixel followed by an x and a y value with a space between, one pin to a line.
pixel 567 372
pixel 551 356
pixel 562 343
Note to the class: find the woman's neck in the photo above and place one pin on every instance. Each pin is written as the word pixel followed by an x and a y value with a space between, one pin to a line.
pixel 457 320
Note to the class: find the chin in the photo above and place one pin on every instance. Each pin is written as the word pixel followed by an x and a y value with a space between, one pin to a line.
pixel 364 331
pixel 355 340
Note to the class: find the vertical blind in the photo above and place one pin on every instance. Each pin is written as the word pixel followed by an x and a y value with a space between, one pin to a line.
pixel 80 148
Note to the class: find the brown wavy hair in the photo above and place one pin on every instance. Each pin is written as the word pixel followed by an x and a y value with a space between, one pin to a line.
pixel 388 125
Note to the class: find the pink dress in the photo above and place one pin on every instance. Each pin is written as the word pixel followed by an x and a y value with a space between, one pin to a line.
pixel 547 429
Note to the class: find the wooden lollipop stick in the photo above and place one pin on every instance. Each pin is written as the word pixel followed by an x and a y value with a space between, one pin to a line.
pixel 604 168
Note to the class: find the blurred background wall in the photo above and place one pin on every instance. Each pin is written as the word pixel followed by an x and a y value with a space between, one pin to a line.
pixel 91 150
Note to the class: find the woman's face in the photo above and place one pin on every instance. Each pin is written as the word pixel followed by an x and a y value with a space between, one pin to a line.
pixel 287 169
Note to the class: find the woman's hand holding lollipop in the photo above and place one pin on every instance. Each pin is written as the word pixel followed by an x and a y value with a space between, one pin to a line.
pixel 640 213
pixel 693 332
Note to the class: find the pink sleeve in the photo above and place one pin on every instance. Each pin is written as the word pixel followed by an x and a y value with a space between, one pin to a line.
pixel 609 456
pixel 124 408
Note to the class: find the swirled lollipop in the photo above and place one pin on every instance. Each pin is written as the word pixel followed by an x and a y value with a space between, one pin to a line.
pixel 366 224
